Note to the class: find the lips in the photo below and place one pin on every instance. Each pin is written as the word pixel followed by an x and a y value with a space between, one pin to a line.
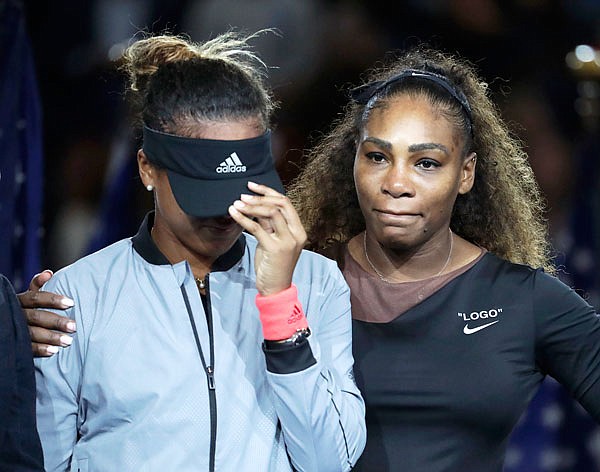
pixel 396 213
pixel 396 218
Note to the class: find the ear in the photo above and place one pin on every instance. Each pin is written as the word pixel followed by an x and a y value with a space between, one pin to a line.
pixel 467 173
pixel 146 169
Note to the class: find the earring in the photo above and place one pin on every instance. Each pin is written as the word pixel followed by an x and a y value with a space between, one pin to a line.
pixel 149 188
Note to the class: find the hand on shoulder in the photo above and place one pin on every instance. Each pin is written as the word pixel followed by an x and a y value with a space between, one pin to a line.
pixel 48 330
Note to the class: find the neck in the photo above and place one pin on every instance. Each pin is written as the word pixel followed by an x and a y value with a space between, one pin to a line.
pixel 392 265
pixel 175 251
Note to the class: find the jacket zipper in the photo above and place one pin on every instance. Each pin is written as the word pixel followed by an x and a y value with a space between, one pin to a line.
pixel 208 368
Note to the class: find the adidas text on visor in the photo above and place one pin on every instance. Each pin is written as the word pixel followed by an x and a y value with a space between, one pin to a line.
pixel 208 175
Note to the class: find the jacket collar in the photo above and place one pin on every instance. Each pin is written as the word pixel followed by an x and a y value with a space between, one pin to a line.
pixel 144 245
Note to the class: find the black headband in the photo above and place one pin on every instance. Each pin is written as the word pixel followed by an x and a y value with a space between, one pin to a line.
pixel 365 93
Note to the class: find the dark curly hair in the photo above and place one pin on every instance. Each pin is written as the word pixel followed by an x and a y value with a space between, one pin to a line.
pixel 502 213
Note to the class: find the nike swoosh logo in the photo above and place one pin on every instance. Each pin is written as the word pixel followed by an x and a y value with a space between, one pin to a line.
pixel 468 330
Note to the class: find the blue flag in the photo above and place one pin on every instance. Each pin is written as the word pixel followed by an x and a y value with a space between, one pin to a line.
pixel 21 163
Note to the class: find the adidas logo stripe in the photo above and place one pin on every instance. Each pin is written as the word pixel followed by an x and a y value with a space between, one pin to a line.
pixel 231 164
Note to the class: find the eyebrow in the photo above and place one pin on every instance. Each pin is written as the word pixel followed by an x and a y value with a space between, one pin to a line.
pixel 412 148
pixel 428 146
pixel 379 142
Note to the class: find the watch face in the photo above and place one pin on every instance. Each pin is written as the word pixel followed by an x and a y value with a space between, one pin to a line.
pixel 300 335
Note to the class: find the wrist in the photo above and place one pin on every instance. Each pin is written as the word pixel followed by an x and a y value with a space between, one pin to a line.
pixel 299 337
pixel 274 289
pixel 281 314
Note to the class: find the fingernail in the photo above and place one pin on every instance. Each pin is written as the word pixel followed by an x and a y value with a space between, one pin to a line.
pixel 67 302
pixel 239 204
pixel 48 270
pixel 246 197
pixel 66 340
pixel 71 326
pixel 51 349
pixel 232 210
pixel 254 184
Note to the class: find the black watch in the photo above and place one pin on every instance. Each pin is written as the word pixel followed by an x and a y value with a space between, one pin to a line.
pixel 294 340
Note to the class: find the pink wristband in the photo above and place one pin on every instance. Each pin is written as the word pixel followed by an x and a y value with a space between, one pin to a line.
pixel 281 314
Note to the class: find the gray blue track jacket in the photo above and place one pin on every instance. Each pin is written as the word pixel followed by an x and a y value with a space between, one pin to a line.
pixel 154 382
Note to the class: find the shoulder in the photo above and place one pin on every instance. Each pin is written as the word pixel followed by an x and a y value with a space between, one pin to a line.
pixel 318 262
pixel 90 267
pixel 493 266
pixel 335 252
pixel 321 273
pixel 544 287
pixel 8 299
pixel 6 287
pixel 14 335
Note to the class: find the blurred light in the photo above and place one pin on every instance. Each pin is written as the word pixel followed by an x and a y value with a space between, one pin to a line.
pixel 585 53
pixel 584 62
pixel 584 108
pixel 116 50
pixel 588 89
pixel 572 61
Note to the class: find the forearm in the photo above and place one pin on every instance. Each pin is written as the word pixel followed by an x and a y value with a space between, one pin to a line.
pixel 321 412
pixel 310 370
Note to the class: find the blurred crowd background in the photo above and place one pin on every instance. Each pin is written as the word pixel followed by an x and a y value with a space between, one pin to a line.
pixel 537 55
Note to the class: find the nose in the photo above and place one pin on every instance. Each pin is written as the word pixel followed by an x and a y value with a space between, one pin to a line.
pixel 397 182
